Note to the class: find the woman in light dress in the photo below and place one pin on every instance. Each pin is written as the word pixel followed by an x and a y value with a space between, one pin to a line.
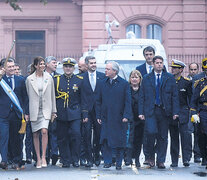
pixel 42 106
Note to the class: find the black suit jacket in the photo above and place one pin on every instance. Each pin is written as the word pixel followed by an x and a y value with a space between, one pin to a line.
pixel 89 94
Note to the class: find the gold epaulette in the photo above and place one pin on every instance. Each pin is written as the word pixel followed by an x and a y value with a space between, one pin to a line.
pixel 57 75
pixel 202 79
pixel 186 78
pixel 196 83
pixel 80 77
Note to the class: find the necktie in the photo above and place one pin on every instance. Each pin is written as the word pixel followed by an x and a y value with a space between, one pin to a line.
pixel 150 69
pixel 157 98
pixel 111 81
pixel 10 81
pixel 92 82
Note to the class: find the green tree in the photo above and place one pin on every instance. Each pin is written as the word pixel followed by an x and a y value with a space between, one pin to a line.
pixel 14 4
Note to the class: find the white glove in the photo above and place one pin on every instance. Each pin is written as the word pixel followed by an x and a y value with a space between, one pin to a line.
pixel 195 118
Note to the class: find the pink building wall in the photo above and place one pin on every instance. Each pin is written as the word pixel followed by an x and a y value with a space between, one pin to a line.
pixel 72 25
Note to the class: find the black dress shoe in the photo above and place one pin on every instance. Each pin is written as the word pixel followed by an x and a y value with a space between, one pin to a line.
pixel 137 164
pixel 161 166
pixel 128 163
pixel 173 165
pixel 75 165
pixel 3 165
pixel 97 162
pixel 83 162
pixel 65 166
pixel 29 161
pixel 54 159
pixel 89 165
pixel 204 162
pixel 107 165
pixel 118 168
pixel 186 164
pixel 197 160
pixel 146 162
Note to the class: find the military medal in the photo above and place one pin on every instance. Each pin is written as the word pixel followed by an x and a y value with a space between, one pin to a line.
pixel 75 87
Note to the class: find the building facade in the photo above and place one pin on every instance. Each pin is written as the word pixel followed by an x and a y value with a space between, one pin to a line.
pixel 69 27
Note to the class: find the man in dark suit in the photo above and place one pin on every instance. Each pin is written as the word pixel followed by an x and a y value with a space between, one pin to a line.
pixel 91 85
pixel 10 117
pixel 158 102
pixel 180 127
pixel 71 109
pixel 147 67
pixel 113 113
pixel 52 151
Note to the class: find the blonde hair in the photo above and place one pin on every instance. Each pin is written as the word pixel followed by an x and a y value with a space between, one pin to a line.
pixel 135 73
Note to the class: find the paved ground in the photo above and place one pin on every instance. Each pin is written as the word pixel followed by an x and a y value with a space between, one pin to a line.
pixel 127 173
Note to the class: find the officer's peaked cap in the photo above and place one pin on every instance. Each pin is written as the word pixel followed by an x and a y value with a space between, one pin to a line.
pixel 69 61
pixel 177 63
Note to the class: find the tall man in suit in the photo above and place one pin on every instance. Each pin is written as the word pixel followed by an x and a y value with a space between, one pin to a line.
pixel 147 67
pixel 158 102
pixel 91 84
pixel 51 65
pixel 144 69
pixel 113 113
pixel 10 117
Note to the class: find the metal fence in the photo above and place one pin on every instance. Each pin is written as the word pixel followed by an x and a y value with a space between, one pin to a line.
pixel 187 59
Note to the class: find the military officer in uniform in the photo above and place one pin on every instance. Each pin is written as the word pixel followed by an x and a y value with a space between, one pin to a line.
pixel 71 108
pixel 199 110
pixel 180 126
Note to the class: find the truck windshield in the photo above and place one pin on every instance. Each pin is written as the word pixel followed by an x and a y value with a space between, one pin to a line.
pixel 129 65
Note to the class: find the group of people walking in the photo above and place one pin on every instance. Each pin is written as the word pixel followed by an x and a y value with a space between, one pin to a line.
pixel 85 118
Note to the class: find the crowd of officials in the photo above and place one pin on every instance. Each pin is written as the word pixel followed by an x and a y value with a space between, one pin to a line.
pixel 82 119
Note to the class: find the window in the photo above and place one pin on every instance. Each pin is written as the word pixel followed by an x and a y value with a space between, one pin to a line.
pixel 154 31
pixel 135 28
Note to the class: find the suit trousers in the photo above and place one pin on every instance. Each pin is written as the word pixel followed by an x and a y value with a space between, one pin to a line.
pixel 4 138
pixel 108 151
pixel 29 141
pixel 182 130
pixel 157 143
pixel 52 134
pixel 68 136
pixel 91 129
pixel 15 140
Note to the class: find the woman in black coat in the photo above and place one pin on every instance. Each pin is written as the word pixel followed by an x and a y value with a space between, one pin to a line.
pixel 136 128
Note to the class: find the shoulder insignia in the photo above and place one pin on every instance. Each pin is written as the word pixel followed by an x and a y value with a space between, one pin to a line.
pixel 196 83
pixel 80 77
pixel 57 75
pixel 202 79
pixel 186 78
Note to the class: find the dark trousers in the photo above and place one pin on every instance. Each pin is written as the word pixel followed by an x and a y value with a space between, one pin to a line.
pixel 138 133
pixel 202 134
pixel 68 136
pixel 15 144
pixel 91 145
pixel 52 139
pixel 182 130
pixel 29 141
pixel 157 143
pixel 4 138
pixel 193 129
pixel 108 151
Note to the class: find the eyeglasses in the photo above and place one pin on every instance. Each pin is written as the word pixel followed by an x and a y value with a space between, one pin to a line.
pixel 193 69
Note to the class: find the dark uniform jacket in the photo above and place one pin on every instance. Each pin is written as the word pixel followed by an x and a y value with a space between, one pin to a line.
pixel 72 105
pixel 199 101
pixel 114 104
pixel 184 92
pixel 168 97
pixel 21 93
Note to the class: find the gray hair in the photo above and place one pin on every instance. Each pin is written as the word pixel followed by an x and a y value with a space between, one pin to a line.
pixel 115 66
